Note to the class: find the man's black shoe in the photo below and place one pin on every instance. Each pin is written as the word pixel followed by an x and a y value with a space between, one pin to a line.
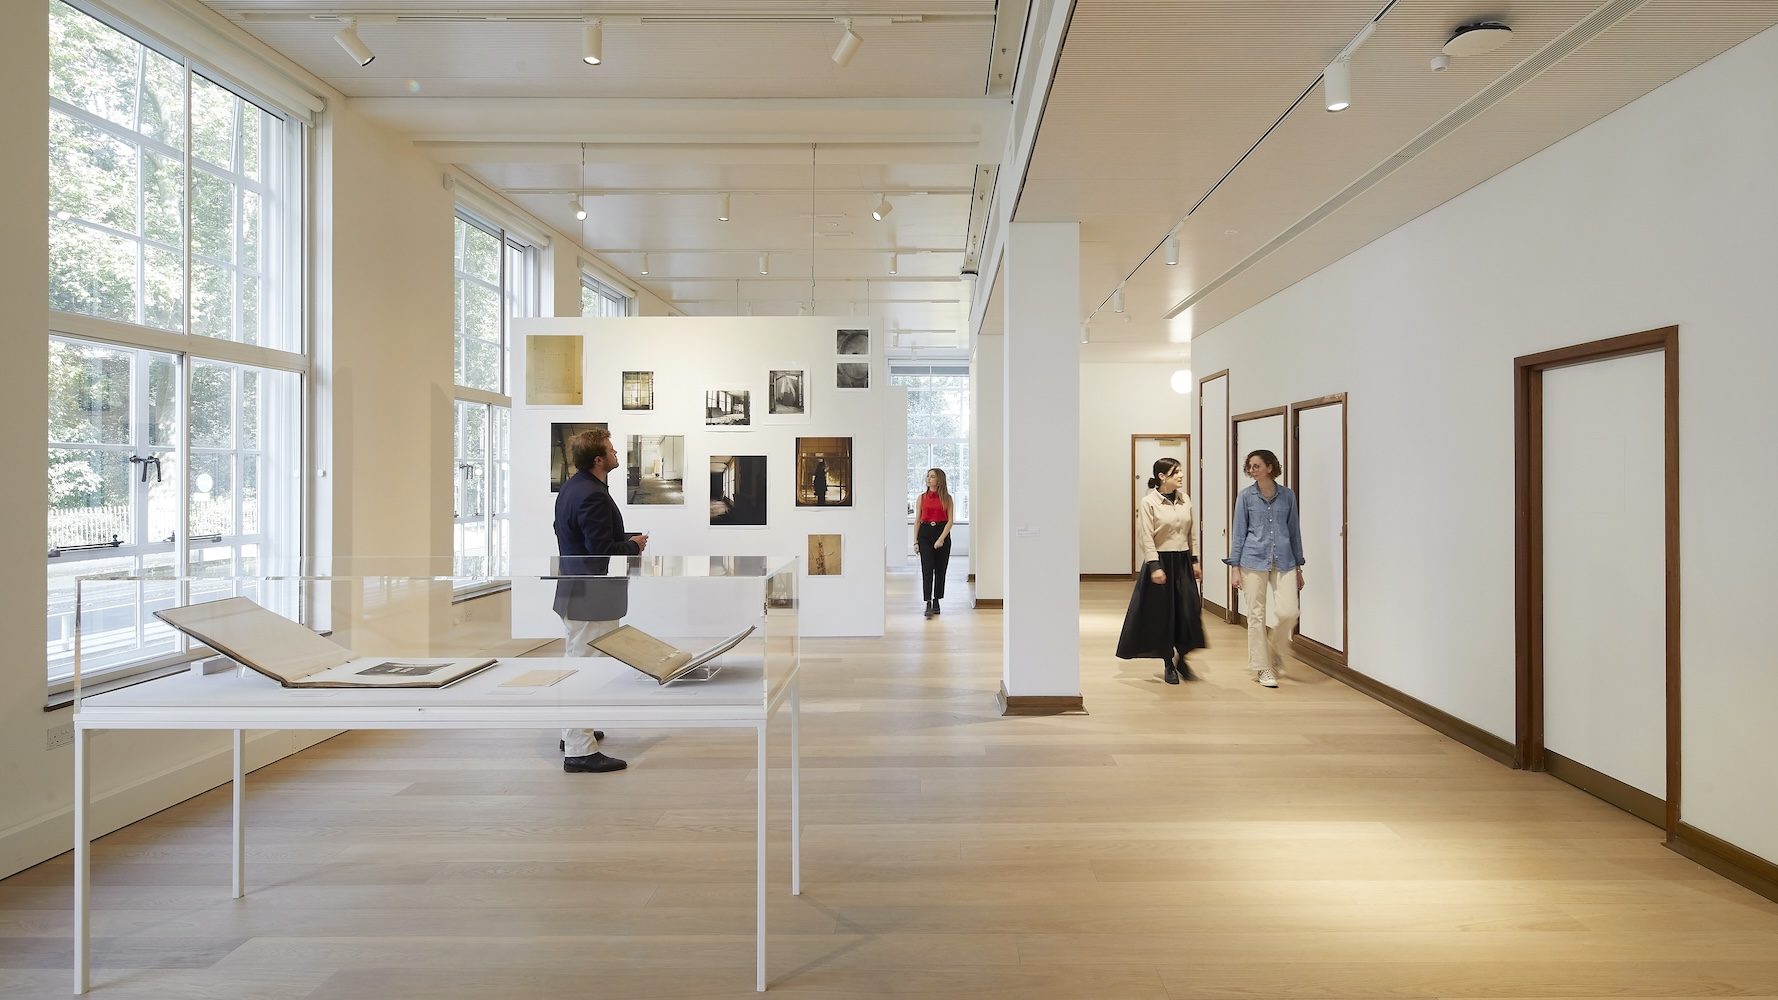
pixel 594 762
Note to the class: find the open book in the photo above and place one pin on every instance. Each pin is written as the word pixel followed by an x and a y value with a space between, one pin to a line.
pixel 296 657
pixel 662 661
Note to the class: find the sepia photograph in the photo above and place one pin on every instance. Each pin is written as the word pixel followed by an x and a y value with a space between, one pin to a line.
pixel 824 555
pixel 656 470
pixel 737 490
pixel 852 342
pixel 638 390
pixel 824 472
pixel 785 392
pixel 852 375
pixel 560 466
pixel 552 370
pixel 728 408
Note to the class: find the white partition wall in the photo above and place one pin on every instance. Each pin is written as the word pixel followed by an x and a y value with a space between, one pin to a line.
pixel 898 534
pixel 1251 432
pixel 1318 475
pixel 687 357
pixel 1213 501
pixel 1604 594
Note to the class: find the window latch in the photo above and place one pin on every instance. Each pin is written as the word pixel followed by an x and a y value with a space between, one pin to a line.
pixel 145 463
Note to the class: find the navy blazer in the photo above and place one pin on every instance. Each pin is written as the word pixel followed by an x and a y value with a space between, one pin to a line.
pixel 588 523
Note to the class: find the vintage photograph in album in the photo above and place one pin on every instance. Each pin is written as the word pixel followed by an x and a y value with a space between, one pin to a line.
pixel 824 472
pixel 851 375
pixel 638 390
pixel 561 465
pixel 728 408
pixel 785 392
pixel 655 468
pixel 824 555
pixel 738 490
pixel 851 342
pixel 552 370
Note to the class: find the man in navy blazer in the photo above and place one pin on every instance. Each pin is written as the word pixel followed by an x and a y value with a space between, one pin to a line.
pixel 589 530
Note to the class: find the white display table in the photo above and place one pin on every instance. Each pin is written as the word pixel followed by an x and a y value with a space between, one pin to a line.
pixel 601 690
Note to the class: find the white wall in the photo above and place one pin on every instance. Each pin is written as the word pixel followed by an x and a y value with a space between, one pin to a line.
pixel 689 355
pixel 987 501
pixel 1119 400
pixel 1662 213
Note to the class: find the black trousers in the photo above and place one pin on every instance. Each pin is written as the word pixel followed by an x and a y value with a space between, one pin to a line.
pixel 934 560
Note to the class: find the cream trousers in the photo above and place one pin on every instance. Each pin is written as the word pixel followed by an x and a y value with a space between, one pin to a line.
pixel 580 742
pixel 1268 594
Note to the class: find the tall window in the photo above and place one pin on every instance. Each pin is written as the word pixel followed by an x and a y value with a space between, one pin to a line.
pixel 938 431
pixel 174 209
pixel 599 299
pixel 497 280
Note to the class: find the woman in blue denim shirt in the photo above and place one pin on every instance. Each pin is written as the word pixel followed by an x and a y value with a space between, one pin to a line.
pixel 1267 552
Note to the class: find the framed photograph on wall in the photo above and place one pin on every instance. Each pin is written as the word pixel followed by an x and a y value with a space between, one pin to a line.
pixel 561 465
pixel 638 391
pixel 824 555
pixel 787 394
pixel 553 370
pixel 728 409
pixel 737 491
pixel 654 470
pixel 852 342
pixel 824 472
pixel 851 375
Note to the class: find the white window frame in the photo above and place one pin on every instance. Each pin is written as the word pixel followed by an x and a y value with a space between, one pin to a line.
pixel 926 443
pixel 614 302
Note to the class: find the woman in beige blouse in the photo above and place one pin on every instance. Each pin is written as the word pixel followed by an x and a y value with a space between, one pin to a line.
pixel 1164 618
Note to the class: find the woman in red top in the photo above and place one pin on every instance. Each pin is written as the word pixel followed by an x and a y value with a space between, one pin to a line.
pixel 933 538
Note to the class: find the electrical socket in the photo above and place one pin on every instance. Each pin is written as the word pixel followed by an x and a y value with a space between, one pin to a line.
pixel 60 736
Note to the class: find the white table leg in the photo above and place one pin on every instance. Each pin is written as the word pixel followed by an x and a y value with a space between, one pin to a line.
pixel 796 791
pixel 82 865
pixel 240 838
pixel 759 861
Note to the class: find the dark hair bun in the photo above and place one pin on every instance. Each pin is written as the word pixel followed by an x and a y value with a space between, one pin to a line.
pixel 1154 484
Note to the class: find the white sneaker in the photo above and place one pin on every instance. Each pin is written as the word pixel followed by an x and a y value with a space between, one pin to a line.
pixel 1267 678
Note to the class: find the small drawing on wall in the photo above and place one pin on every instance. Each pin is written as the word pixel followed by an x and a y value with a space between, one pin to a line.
pixel 851 375
pixel 737 490
pixel 638 390
pixel 655 470
pixel 561 465
pixel 824 555
pixel 786 393
pixel 824 472
pixel 552 370
pixel 730 408
pixel 851 342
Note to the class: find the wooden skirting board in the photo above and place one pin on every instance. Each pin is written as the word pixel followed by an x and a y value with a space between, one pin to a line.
pixel 1470 735
pixel 1085 577
pixel 1040 704
pixel 1629 798
pixel 989 603
pixel 1727 860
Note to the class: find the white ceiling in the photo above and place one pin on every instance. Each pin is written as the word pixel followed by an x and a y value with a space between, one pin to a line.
pixel 697 99
pixel 1159 108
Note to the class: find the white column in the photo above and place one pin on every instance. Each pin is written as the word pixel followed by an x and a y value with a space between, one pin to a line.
pixel 987 497
pixel 1042 431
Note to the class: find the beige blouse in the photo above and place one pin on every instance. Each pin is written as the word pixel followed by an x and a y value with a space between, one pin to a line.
pixel 1163 526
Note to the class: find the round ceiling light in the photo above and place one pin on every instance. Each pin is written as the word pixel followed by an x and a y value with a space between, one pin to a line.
pixel 1182 381
pixel 1478 39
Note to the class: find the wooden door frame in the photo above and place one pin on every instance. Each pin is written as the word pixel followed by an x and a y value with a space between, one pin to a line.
pixel 1228 496
pixel 1296 459
pixel 1529 752
pixel 1236 615
pixel 1135 541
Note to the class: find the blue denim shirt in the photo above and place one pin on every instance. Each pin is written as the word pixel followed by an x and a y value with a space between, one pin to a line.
pixel 1266 535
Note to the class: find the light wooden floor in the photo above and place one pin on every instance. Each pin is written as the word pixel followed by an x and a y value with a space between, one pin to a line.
pixel 1210 840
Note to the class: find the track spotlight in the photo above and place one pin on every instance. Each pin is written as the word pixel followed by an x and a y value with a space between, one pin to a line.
pixel 1117 300
pixel 592 42
pixel 883 208
pixel 1172 257
pixel 579 208
pixel 849 42
pixel 1336 84
pixel 644 262
pixel 722 215
pixel 765 263
pixel 354 46
pixel 1083 331
pixel 895 263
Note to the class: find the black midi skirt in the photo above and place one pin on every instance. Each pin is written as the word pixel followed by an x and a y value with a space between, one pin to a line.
pixel 1163 617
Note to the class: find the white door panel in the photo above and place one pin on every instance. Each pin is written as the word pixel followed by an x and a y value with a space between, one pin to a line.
pixel 1212 498
pixel 1321 494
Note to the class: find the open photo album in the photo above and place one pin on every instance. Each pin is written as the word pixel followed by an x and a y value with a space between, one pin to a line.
pixel 662 661
pixel 296 657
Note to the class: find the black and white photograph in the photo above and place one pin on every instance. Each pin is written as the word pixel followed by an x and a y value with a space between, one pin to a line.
pixel 738 490
pixel 851 342
pixel 398 669
pixel 785 392
pixel 852 375
pixel 824 472
pixel 655 468
pixel 560 467
pixel 824 555
pixel 728 408
pixel 638 390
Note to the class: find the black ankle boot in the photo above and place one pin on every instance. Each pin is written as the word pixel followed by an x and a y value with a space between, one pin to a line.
pixel 1172 675
pixel 928 609
pixel 935 607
